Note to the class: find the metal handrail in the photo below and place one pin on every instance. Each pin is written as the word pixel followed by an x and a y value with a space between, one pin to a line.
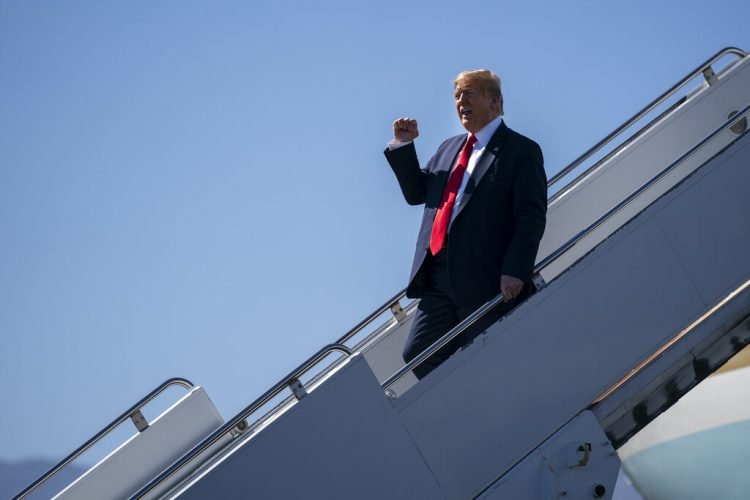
pixel 650 107
pixel 471 319
pixel 290 381
pixel 129 413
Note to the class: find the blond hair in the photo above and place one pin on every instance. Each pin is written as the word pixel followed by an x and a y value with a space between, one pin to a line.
pixel 487 80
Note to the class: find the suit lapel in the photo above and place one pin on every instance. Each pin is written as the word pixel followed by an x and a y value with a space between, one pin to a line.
pixel 490 154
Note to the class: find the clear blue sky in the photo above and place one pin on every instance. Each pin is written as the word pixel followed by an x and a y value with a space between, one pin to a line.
pixel 198 188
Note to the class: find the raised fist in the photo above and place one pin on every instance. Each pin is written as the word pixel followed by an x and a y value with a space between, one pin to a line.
pixel 405 130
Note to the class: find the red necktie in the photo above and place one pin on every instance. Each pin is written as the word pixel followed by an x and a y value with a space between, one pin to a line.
pixel 443 216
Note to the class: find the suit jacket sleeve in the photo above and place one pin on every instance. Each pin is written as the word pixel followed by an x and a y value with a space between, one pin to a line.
pixel 529 214
pixel 411 178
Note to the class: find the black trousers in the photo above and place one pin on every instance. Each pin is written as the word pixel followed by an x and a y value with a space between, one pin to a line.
pixel 438 312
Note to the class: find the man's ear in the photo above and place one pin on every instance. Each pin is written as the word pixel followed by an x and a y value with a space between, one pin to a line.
pixel 497 104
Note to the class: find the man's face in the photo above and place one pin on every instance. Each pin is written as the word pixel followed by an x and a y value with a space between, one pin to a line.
pixel 475 109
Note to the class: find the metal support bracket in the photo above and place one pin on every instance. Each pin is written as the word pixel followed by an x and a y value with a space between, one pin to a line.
pixel 398 311
pixel 391 394
pixel 241 427
pixel 583 453
pixel 710 76
pixel 539 281
pixel 139 420
pixel 297 388
pixel 739 126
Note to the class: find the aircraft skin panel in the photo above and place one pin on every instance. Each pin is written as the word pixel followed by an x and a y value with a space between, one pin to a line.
pixel 717 401
pixel 700 447
pixel 707 464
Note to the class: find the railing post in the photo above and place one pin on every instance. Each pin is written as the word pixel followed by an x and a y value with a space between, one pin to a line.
pixel 398 311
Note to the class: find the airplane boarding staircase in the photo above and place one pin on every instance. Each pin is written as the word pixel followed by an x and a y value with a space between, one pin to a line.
pixel 644 290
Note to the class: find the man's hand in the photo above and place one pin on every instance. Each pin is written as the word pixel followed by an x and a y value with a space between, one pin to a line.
pixel 510 286
pixel 405 130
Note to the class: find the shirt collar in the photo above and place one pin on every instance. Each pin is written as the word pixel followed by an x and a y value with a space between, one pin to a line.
pixel 483 136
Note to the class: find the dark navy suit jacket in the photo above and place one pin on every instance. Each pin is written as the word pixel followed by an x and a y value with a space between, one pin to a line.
pixel 498 223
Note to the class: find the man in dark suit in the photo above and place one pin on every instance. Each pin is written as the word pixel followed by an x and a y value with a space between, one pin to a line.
pixel 485 197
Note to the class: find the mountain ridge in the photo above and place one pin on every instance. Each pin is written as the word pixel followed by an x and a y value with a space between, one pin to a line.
pixel 17 475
